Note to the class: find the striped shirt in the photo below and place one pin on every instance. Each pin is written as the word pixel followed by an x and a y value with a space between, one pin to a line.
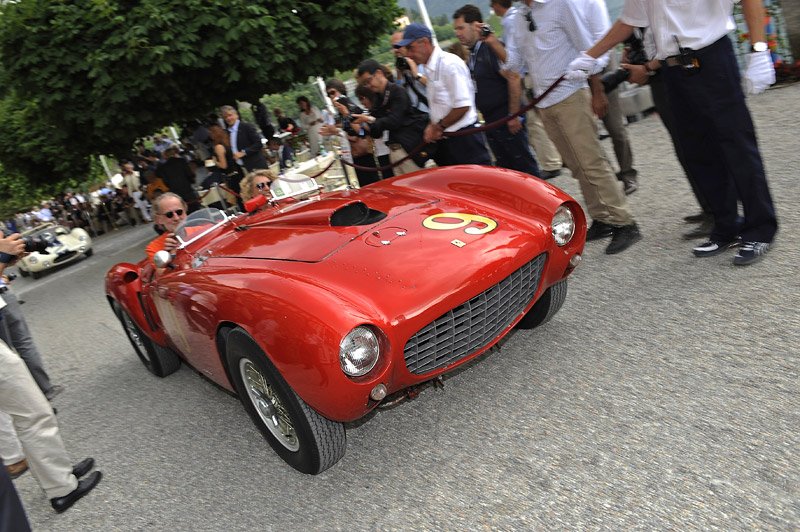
pixel 696 23
pixel 564 28
pixel 449 87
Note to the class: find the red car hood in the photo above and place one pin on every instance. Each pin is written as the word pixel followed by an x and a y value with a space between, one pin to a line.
pixel 303 232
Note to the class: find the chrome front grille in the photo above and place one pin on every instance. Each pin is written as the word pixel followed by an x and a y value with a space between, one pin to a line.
pixel 472 325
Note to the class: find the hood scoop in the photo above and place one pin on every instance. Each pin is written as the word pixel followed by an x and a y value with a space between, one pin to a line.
pixel 331 212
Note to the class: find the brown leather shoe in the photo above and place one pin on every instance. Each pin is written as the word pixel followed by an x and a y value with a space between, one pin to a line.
pixel 15 470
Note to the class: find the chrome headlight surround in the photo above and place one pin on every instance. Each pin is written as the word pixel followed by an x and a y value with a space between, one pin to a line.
pixel 563 225
pixel 359 351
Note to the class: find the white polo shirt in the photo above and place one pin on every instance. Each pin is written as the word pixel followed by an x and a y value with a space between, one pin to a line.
pixel 449 87
pixel 696 23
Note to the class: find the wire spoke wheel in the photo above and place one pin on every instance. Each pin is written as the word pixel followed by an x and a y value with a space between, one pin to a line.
pixel 268 405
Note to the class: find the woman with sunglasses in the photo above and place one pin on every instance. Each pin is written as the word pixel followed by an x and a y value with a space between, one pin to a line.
pixel 256 183
pixel 169 210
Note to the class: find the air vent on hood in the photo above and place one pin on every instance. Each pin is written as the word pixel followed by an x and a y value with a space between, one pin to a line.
pixel 355 213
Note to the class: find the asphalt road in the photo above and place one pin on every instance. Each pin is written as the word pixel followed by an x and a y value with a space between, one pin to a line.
pixel 664 395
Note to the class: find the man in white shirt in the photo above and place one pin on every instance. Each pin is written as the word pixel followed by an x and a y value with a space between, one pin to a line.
pixel 451 98
pixel 548 34
pixel 546 152
pixel 715 130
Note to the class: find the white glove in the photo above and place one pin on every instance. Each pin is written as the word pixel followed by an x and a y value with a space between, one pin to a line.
pixel 581 67
pixel 760 72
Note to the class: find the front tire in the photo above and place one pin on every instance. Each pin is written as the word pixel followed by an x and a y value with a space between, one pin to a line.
pixel 303 438
pixel 88 253
pixel 546 307
pixel 36 275
pixel 160 361
pixel 22 272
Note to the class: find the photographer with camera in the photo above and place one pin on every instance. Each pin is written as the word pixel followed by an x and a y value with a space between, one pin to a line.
pixel 360 148
pixel 393 113
pixel 498 93
pixel 714 125
pixel 409 75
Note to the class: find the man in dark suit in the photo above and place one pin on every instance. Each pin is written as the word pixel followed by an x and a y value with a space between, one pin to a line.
pixel 245 141
pixel 179 177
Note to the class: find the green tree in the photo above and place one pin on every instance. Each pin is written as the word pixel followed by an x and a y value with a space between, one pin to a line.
pixel 90 77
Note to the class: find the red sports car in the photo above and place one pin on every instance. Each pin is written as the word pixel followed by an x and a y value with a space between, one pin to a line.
pixel 318 307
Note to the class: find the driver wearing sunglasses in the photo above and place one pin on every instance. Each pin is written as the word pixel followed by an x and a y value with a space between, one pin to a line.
pixel 170 211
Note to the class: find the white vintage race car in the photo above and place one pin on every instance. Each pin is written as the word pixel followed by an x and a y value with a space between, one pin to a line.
pixel 55 245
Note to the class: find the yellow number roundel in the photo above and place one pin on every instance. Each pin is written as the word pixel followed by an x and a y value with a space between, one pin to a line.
pixel 463 219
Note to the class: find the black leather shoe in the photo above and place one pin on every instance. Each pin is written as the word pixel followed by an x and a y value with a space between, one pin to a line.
pixel 550 174
pixel 599 230
pixel 83 467
pixel 623 238
pixel 62 504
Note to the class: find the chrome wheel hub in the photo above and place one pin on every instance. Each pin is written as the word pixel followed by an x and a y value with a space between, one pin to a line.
pixel 269 406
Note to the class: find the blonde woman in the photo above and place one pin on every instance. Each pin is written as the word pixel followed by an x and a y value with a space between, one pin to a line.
pixel 255 183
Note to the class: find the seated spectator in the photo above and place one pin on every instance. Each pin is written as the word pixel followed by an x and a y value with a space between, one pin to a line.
pixel 255 183
pixel 169 210
pixel 284 122
pixel 281 152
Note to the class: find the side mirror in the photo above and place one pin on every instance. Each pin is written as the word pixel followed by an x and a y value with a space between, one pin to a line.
pixel 162 259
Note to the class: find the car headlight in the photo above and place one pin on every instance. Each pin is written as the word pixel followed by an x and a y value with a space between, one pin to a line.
pixel 32 259
pixel 563 225
pixel 359 351
pixel 82 238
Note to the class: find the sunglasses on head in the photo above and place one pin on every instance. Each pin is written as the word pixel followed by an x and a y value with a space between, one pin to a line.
pixel 531 22
pixel 176 212
pixel 262 186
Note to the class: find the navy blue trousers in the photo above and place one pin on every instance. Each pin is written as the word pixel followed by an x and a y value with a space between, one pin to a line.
pixel 469 149
pixel 12 516
pixel 718 141
pixel 512 151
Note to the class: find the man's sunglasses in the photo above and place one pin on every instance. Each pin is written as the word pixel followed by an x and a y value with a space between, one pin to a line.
pixel 176 212
pixel 262 186
pixel 531 22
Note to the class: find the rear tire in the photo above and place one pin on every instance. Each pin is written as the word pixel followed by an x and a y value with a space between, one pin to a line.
pixel 303 438
pixel 546 307
pixel 160 361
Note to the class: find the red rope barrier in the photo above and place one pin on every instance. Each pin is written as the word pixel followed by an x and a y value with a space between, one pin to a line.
pixel 462 132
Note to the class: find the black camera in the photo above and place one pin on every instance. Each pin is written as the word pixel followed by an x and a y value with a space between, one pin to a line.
pixel 486 30
pixel 35 243
pixel 401 63
pixel 636 56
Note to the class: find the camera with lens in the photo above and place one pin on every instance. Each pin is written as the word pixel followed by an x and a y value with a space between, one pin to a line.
pixel 401 63
pixel 636 56
pixel 486 30
pixel 35 243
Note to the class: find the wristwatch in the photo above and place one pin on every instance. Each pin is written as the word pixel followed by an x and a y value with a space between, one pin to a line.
pixel 759 46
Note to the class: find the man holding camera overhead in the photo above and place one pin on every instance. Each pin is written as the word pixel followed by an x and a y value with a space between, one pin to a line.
pixel 548 35
pixel 498 94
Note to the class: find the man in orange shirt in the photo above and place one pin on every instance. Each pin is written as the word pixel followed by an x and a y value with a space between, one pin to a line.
pixel 169 210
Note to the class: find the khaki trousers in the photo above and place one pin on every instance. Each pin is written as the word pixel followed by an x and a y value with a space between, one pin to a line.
pixel 396 153
pixel 546 152
pixel 36 426
pixel 572 127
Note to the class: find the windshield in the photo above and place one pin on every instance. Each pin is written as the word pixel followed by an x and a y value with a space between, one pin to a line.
pixel 198 224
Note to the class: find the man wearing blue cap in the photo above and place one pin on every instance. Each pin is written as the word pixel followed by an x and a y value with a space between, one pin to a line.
pixel 451 98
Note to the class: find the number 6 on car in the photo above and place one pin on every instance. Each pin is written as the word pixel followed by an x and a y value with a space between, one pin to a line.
pixel 431 222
